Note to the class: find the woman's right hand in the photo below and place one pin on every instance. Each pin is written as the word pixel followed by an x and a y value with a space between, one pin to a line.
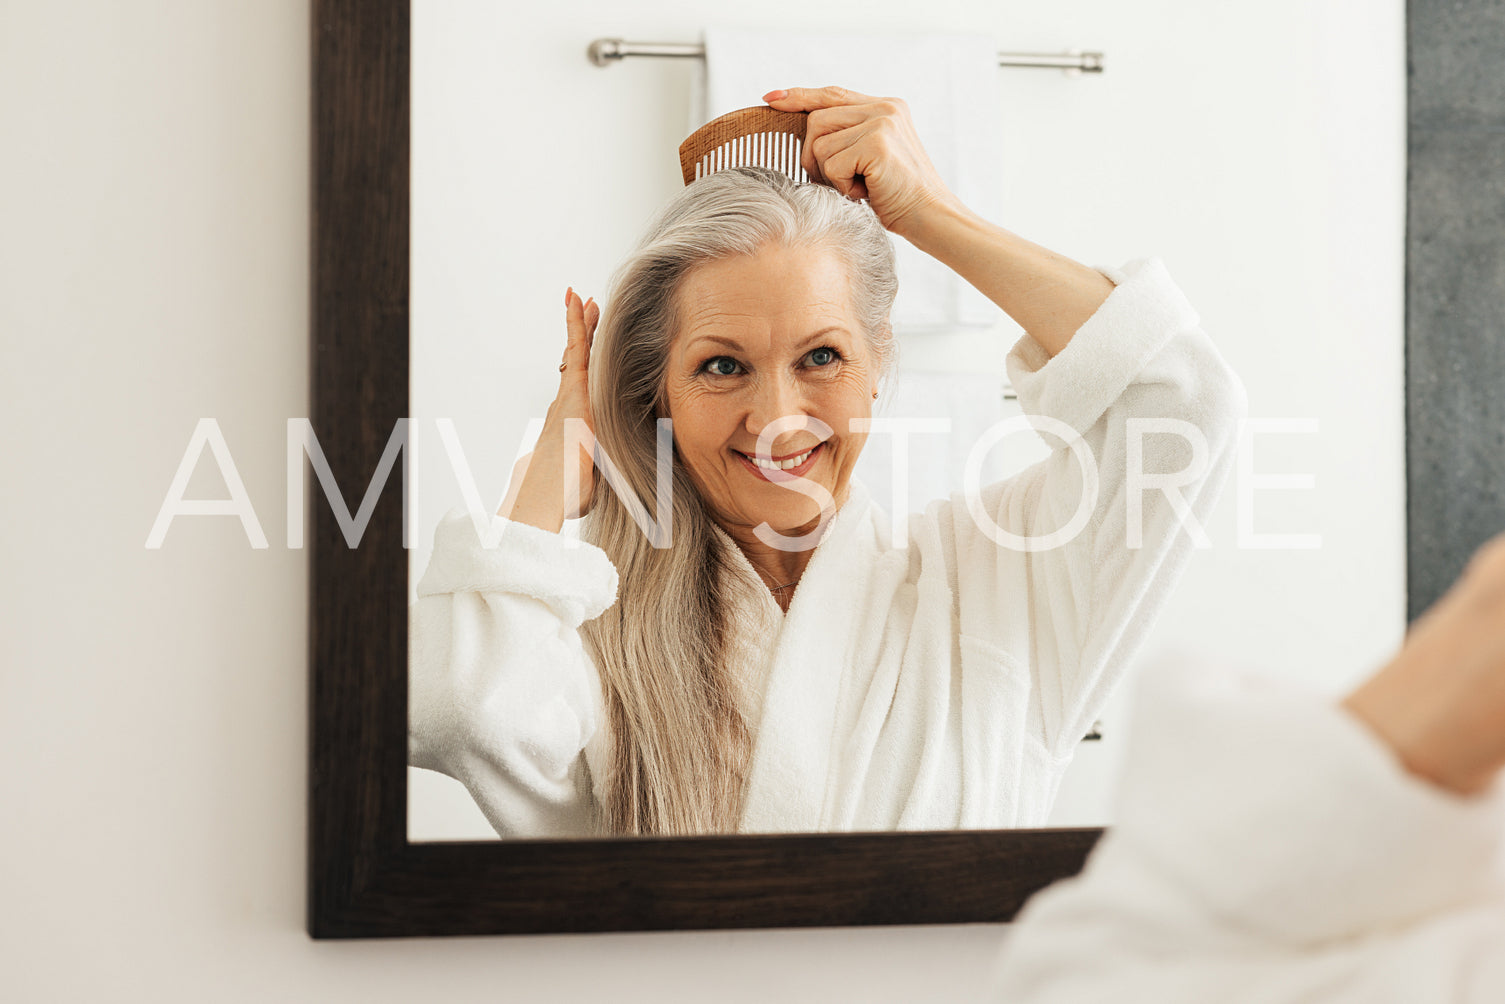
pixel 547 487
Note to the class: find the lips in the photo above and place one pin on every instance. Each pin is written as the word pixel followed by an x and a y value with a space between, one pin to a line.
pixel 790 465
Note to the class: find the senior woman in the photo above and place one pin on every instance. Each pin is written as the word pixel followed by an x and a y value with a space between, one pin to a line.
pixel 781 665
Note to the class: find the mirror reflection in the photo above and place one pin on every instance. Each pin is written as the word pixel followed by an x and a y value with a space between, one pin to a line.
pixel 781 548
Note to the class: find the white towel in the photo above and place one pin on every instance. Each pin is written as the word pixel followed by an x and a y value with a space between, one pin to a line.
pixel 970 404
pixel 950 83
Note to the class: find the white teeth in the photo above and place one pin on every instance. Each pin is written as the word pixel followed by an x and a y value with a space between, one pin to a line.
pixel 781 465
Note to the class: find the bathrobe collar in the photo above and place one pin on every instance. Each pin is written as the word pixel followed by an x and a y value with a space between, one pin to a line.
pixel 850 515
pixel 787 777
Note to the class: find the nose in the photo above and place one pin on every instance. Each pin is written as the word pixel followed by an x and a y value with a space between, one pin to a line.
pixel 779 398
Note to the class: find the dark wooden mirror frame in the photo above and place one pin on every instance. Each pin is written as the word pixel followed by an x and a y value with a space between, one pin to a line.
pixel 365 878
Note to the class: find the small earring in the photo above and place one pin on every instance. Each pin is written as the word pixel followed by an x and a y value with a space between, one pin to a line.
pixel 875 395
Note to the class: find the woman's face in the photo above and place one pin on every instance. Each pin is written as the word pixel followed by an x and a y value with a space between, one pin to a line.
pixel 762 338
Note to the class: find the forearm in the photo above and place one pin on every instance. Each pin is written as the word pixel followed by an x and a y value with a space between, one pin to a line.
pixel 542 492
pixel 1442 727
pixel 1440 703
pixel 1049 295
pixel 535 496
pixel 1140 359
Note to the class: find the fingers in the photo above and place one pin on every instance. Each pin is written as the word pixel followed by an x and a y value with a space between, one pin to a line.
pixel 837 127
pixel 592 318
pixel 823 136
pixel 808 99
pixel 824 100
pixel 820 129
pixel 581 318
pixel 843 156
pixel 845 116
pixel 845 172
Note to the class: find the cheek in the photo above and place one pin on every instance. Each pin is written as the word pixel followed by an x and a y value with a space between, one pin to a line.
pixel 700 422
pixel 845 400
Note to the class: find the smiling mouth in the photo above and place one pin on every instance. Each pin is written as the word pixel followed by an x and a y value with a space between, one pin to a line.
pixel 794 463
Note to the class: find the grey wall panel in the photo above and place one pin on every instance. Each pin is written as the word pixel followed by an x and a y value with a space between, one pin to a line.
pixel 1455 289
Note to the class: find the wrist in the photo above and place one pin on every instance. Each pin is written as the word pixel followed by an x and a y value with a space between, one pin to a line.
pixel 546 517
pixel 940 227
pixel 536 496
pixel 1422 736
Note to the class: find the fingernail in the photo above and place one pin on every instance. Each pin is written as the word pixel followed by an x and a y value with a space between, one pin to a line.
pixel 775 95
pixel 567 292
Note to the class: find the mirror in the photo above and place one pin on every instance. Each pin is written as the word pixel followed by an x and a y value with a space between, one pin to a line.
pixel 1295 266
pixel 1272 189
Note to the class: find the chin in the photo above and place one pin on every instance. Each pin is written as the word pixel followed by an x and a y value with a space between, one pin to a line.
pixel 797 512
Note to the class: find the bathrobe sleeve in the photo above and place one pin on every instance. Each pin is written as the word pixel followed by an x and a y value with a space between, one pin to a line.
pixel 1269 848
pixel 501 695
pixel 1157 410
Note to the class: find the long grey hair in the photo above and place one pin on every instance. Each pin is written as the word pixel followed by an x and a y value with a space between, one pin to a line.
pixel 680 748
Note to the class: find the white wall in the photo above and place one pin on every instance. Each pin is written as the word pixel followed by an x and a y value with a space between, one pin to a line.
pixel 154 269
pixel 1257 147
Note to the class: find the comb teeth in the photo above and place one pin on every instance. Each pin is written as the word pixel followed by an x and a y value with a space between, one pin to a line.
pixel 757 136
pixel 779 151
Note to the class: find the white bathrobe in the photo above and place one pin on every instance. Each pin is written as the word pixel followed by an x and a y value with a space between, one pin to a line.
pixel 1269 848
pixel 944 684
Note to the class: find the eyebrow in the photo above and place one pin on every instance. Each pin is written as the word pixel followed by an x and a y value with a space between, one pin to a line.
pixel 732 343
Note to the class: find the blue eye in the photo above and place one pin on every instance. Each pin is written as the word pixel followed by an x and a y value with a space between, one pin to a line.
pixel 721 366
pixel 823 356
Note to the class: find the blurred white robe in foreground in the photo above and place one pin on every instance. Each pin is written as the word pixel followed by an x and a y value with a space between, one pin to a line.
pixel 1269 848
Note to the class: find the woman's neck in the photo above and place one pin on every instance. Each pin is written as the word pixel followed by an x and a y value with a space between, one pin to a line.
pixel 779 570
pixel 780 567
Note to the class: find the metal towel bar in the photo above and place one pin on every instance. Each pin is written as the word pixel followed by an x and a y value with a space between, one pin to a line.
pixel 605 51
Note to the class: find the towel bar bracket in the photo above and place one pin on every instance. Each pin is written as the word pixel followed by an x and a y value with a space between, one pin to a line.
pixel 605 51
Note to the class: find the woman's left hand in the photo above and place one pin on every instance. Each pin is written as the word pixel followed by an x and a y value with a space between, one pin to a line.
pixel 866 148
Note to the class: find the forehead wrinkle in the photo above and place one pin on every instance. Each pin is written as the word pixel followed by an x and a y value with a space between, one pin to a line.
pixel 719 303
pixel 711 320
pixel 722 327
pixel 739 307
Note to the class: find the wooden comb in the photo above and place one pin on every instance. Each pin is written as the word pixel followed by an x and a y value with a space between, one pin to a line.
pixel 749 137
